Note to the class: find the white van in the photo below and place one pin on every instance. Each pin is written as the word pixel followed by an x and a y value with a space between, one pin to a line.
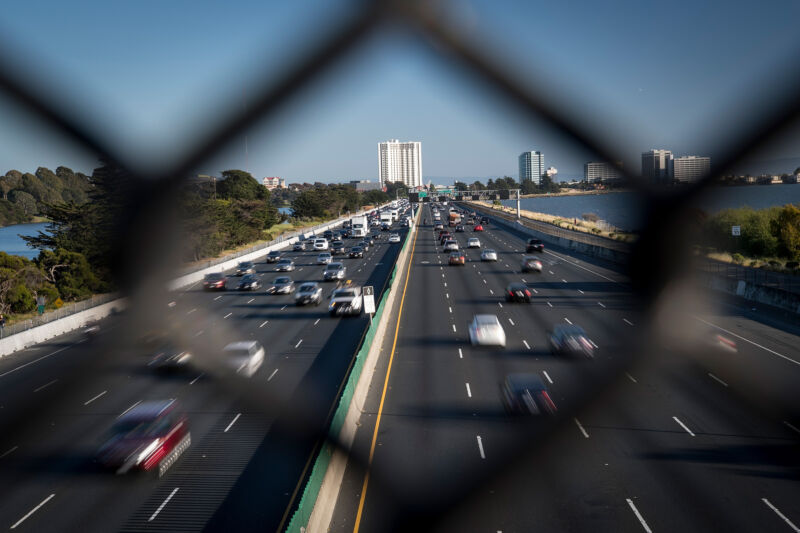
pixel 321 244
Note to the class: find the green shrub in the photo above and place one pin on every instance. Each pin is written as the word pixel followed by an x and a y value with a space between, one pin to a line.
pixel 738 258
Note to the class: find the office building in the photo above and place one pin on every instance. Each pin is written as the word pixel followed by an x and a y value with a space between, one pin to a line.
pixel 400 162
pixel 657 166
pixel 690 168
pixel 531 167
pixel 599 171
pixel 365 185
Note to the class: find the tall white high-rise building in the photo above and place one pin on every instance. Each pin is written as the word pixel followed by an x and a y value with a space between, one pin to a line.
pixel 657 165
pixel 690 168
pixel 595 171
pixel 400 161
pixel 531 167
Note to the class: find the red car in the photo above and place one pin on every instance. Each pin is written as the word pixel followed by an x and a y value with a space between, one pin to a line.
pixel 214 282
pixel 150 436
pixel 457 258
pixel 478 228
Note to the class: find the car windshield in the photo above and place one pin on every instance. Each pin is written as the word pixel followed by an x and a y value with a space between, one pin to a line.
pixel 248 278
pixel 308 287
pixel 279 281
pixel 356 249
pixel 138 428
pixel 245 265
pixel 335 266
pixel 486 320
pixel 517 287
pixel 284 261
pixel 274 254
pixel 214 277
pixel 344 293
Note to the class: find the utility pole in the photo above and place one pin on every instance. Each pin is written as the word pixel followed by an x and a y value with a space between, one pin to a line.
pixel 517 204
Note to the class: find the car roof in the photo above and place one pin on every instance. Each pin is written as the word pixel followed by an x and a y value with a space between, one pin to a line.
pixel 487 319
pixel 517 285
pixel 283 279
pixel 215 275
pixel 148 410
pixel 566 329
pixel 274 252
pixel 240 345
pixel 522 381
pixel 308 285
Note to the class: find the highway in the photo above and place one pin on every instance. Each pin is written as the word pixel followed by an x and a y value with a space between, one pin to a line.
pixel 648 436
pixel 58 400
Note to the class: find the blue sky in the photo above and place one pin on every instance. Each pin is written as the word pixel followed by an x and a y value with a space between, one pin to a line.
pixel 152 76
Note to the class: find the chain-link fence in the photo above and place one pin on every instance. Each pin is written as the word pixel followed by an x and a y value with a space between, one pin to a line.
pixel 56 314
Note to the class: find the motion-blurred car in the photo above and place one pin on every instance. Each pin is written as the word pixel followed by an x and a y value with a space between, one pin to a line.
pixel 438 226
pixel 526 394
pixel 245 267
pixel 459 229
pixel 484 220
pixel 150 436
pixel 167 357
pixel 244 357
pixel 298 246
pixel 473 243
pixel 337 248
pixel 214 282
pixel 333 272
pixel 569 339
pixel 385 227
pixel 356 251
pixel 320 244
pixel 478 228
pixel 394 238
pixel 450 246
pixel 518 292
pixel 370 239
pixel 457 258
pixel 281 285
pixel 345 301
pixel 488 255
pixel 485 330
pixel 273 256
pixel 534 245
pixel 375 237
pixel 365 244
pixel 324 258
pixel 531 264
pixel 284 265
pixel 308 293
pixel 249 282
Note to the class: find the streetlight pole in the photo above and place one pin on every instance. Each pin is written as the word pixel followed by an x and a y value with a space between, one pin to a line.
pixel 518 204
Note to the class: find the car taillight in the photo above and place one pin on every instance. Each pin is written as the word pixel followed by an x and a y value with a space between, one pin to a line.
pixel 527 292
pixel 546 397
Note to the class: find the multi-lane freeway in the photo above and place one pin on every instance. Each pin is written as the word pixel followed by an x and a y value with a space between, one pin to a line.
pixel 648 437
pixel 251 438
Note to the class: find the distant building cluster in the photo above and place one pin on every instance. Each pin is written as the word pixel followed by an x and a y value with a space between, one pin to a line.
pixel 366 185
pixel 400 162
pixel 274 183
pixel 600 171
pixel 661 167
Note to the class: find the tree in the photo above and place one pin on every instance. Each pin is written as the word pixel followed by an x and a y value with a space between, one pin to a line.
pixel 490 185
pixel 529 187
pixel 786 227
pixel 25 201
pixel 240 185
pixel 461 186
pixel 477 186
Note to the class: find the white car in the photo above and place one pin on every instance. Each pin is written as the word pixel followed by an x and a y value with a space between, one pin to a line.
pixel 485 330
pixel 451 246
pixel 473 243
pixel 324 258
pixel 488 255
pixel 244 357
pixel 321 244
pixel 394 237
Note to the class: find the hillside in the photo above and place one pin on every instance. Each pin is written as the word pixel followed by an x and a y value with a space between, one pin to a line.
pixel 24 195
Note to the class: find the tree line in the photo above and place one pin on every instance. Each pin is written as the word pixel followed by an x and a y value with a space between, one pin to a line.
pixel 507 182
pixel 24 195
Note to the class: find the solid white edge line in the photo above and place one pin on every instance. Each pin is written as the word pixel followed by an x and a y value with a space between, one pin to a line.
pixel 738 337
pixel 780 514
pixel 272 375
pixel 96 397
pixel 583 267
pixel 681 424
pixel 128 409
pixel 163 504
pixel 546 375
pixel 638 516
pixel 715 378
pixel 460 354
pixel 580 426
pixel 480 447
pixel 35 360
pixel 21 520
pixel 235 418
pixel 469 392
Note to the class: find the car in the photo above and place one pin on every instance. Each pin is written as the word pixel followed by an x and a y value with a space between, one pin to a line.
pixel 214 282
pixel 518 292
pixel 534 245
pixel 327 235
pixel 244 357
pixel 356 251
pixel 370 239
pixel 450 246
pixel 364 245
pixel 459 228
pixel 334 271
pixel 245 267
pixel 169 358
pixel 249 282
pixel 385 227
pixel 571 339
pixel 273 256
pixel 478 228
pixel 284 265
pixel 375 237
pixel 457 258
pixel 281 285
pixel 346 301
pixel 473 243
pixel 444 237
pixel 309 292
pixel 438 226
pixel 488 255
pixel 320 244
pixel 530 264
pixel 486 330
pixel 484 220
pixel 394 237
pixel 526 394
pixel 298 246
pixel 150 436
pixel 324 258
pixel 337 248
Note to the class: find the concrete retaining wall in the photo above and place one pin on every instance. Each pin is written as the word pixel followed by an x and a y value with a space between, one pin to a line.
pixel 756 293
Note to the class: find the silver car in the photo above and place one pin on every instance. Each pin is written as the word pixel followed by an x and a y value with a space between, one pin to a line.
pixel 488 255
pixel 244 357
pixel 308 293
pixel 485 330
pixel 334 271
pixel 451 246
pixel 281 285
pixel 284 265
pixel 473 243
pixel 324 258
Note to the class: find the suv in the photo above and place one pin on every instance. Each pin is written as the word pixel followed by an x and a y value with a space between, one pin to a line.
pixel 244 357
pixel 273 256
pixel 345 301
pixel 534 245
pixel 245 267
pixel 321 244
pixel 334 271
pixel 337 248
pixel 214 282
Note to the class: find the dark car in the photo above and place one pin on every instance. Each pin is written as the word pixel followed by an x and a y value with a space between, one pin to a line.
pixel 150 436
pixel 484 220
pixel 569 339
pixel 385 227
pixel 273 256
pixel 444 237
pixel 526 394
pixel 356 251
pixel 518 292
pixel 214 282
pixel 457 258
pixel 370 239
pixel 328 234
pixel 245 267
pixel 364 245
pixel 249 283
pixel 337 248
pixel 534 245
pixel 459 229
pixel 169 358
pixel 375 237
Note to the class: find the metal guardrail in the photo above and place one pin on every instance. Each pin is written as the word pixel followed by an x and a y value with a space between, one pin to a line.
pixel 56 314
pixel 755 276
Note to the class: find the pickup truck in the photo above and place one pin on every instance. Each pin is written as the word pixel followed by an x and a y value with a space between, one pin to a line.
pixel 346 301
